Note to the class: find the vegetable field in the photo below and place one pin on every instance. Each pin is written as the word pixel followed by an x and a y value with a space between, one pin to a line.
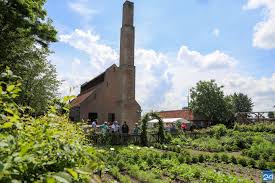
pixel 216 154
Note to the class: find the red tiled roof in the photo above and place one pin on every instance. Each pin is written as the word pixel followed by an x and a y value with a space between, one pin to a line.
pixel 185 114
pixel 80 98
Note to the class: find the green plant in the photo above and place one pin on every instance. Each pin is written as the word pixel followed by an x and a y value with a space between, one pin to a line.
pixel 261 164
pixel 242 161
pixel 143 135
pixel 47 148
pixel 225 158
pixel 234 160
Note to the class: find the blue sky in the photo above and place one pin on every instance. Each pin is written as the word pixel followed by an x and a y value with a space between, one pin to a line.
pixel 177 42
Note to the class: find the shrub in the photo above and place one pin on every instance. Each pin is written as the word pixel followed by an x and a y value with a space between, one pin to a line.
pixel 43 149
pixel 233 160
pixel 252 163
pixel 242 161
pixel 201 158
pixel 216 157
pixel 188 160
pixel 195 159
pixel 218 130
pixel 225 158
pixel 261 164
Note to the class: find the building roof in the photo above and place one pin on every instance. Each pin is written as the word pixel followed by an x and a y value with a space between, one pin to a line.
pixel 80 98
pixel 186 114
pixel 166 120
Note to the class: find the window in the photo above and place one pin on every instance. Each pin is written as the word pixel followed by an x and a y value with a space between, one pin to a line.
pixel 92 116
pixel 111 117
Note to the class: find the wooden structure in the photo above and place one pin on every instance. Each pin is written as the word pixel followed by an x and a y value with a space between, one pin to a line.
pixel 252 117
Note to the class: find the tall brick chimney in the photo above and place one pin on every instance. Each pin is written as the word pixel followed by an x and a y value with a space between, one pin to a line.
pixel 127 39
pixel 129 107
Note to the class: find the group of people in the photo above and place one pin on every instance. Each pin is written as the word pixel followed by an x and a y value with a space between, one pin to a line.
pixel 115 127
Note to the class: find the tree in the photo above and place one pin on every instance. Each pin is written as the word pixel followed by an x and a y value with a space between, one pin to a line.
pixel 25 33
pixel 39 82
pixel 161 135
pixel 144 126
pixel 271 115
pixel 207 99
pixel 241 103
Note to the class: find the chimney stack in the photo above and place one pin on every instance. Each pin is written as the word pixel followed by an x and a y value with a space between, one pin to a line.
pixel 127 39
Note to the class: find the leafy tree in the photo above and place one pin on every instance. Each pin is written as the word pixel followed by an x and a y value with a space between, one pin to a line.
pixel 39 82
pixel 241 102
pixel 207 99
pixel 144 126
pixel 25 33
pixel 161 135
pixel 271 115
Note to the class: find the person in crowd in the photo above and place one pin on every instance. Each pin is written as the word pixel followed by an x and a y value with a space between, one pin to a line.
pixel 104 128
pixel 115 127
pixel 136 132
pixel 173 129
pixel 94 123
pixel 136 129
pixel 125 128
pixel 183 127
pixel 125 132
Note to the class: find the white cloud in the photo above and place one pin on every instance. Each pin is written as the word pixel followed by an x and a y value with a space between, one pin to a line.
pixel 101 55
pixel 214 60
pixel 264 31
pixel 216 32
pixel 163 80
pixel 82 8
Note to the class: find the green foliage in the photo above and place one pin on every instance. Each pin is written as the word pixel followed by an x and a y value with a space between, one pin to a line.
pixel 262 164
pixel 161 135
pixel 123 179
pixel 169 168
pixel 207 99
pixel 143 135
pixel 49 148
pixel 24 27
pixel 19 19
pixel 218 130
pixel 241 103
pixel 257 127
pixel 271 115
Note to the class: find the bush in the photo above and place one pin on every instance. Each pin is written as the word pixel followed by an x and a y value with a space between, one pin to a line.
pixel 233 160
pixel 218 130
pixel 261 164
pixel 252 163
pixel 225 158
pixel 46 148
pixel 195 159
pixel 201 158
pixel 242 161
pixel 188 160
pixel 216 158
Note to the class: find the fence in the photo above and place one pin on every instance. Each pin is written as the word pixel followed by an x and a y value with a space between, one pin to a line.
pixel 121 139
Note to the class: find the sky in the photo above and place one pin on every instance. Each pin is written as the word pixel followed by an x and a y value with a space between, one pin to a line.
pixel 178 43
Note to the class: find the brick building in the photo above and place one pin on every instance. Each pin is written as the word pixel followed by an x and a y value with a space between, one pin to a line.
pixel 111 95
pixel 185 114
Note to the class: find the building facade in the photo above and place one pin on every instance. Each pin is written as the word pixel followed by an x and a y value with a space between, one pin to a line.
pixel 111 95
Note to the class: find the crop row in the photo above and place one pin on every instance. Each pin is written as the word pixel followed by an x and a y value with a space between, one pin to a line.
pixel 151 165
pixel 186 157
